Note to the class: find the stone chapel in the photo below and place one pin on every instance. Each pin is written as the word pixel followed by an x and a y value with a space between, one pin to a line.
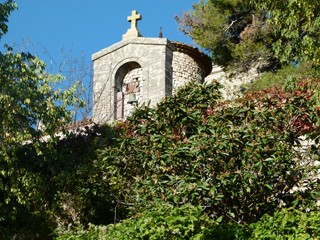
pixel 138 69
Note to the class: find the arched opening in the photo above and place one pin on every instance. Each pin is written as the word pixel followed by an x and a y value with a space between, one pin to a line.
pixel 128 86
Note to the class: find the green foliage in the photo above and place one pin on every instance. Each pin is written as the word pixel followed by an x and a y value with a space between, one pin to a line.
pixel 5 8
pixel 56 189
pixel 188 222
pixel 282 77
pixel 288 224
pixel 234 31
pixel 74 196
pixel 239 33
pixel 28 98
pixel 161 222
pixel 238 160
pixel 296 28
pixel 33 109
pixel 28 93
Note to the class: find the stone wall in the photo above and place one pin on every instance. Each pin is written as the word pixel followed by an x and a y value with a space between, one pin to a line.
pixel 148 68
pixel 111 65
pixel 189 64
pixel 232 83
pixel 185 69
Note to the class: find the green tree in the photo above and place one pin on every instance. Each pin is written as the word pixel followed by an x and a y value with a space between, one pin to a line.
pixel 5 9
pixel 33 108
pixel 295 25
pixel 234 31
pixel 240 32
pixel 33 105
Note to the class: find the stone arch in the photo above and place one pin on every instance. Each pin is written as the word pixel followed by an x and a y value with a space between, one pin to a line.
pixel 128 82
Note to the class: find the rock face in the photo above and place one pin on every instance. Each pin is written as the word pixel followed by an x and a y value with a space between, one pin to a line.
pixel 232 85
pixel 138 70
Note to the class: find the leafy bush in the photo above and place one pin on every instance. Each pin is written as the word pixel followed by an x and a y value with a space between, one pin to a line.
pixel 189 222
pixel 288 224
pixel 164 222
pixel 282 77
pixel 160 222
pixel 238 159
pixel 56 187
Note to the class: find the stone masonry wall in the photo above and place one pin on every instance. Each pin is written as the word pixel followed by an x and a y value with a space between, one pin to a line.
pixel 232 85
pixel 163 67
pixel 185 69
pixel 153 55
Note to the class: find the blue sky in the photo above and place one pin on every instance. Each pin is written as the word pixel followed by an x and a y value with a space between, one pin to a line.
pixel 83 27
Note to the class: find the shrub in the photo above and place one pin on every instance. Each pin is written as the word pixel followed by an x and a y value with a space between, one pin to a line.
pixel 56 187
pixel 188 222
pixel 287 224
pixel 238 159
pixel 282 77
pixel 161 222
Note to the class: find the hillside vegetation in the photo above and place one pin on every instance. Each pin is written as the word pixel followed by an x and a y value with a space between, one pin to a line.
pixel 194 167
pixel 198 166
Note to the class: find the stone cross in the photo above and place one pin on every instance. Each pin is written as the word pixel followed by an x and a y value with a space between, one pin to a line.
pixel 134 18
pixel 133 32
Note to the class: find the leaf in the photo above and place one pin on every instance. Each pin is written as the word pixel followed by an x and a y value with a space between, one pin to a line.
pixel 27 101
pixel 268 186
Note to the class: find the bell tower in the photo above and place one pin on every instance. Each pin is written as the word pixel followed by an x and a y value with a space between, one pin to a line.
pixel 130 72
pixel 138 69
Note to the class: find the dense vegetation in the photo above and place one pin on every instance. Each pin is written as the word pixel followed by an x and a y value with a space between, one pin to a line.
pixel 240 32
pixel 29 111
pixel 198 167
pixel 194 167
